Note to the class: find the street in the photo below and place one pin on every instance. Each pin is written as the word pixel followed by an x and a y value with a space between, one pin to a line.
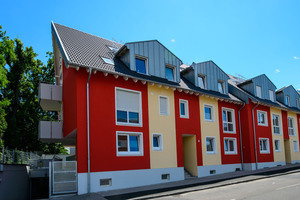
pixel 279 187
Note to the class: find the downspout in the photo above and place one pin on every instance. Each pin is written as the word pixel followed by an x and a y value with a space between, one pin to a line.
pixel 254 135
pixel 241 138
pixel 88 131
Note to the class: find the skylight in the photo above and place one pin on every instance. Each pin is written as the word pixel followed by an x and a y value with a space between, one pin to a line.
pixel 107 60
pixel 114 49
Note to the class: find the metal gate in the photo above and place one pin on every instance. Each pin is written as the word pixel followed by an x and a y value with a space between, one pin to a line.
pixel 63 178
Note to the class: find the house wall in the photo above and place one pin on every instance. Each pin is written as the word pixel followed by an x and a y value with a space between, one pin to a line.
pixel 295 156
pixel 292 93
pixel 285 125
pixel 164 125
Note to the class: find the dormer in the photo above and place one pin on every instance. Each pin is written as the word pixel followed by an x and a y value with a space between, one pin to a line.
pixel 261 87
pixel 288 96
pixel 207 76
pixel 151 58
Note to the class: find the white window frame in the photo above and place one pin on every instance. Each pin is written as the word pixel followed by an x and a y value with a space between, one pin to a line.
pixel 295 144
pixel 174 72
pixel 146 63
pixel 275 126
pixel 235 145
pixel 266 117
pixel 214 145
pixel 212 113
pixel 287 100
pixel 204 81
pixel 271 95
pixel 291 128
pixel 223 86
pixel 160 142
pixel 140 124
pixel 259 87
pixel 186 107
pixel 279 145
pixel 233 118
pixel 168 105
pixel 268 146
pixel 128 153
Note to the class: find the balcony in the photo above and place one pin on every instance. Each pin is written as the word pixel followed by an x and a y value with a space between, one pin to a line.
pixel 50 131
pixel 50 97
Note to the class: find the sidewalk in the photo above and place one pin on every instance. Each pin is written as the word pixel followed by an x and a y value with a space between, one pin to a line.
pixel 189 185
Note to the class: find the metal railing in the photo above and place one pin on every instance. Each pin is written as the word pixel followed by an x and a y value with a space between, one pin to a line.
pixel 14 156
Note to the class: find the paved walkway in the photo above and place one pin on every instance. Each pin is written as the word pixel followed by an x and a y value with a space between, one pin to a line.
pixel 194 184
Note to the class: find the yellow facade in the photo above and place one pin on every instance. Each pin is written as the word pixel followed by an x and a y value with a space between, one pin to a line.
pixel 210 129
pixel 162 124
pixel 294 155
pixel 280 155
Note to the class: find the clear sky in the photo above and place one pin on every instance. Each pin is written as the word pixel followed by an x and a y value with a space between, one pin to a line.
pixel 242 37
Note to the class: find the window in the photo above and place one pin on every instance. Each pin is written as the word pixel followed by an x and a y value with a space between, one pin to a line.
pixel 211 145
pixel 184 108
pixel 291 126
pixel 208 113
pixel 277 145
pixel 271 95
pixel 264 145
pixel 258 91
pixel 170 73
pixel 297 103
pixel 295 145
pixel 163 105
pixel 128 107
pixel 107 61
pixel 141 65
pixel 157 142
pixel 113 49
pixel 276 126
pixel 221 87
pixel 228 120
pixel 262 118
pixel 287 100
pixel 201 81
pixel 129 143
pixel 230 146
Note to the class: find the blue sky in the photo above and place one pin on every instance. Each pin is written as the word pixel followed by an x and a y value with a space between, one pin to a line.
pixel 242 37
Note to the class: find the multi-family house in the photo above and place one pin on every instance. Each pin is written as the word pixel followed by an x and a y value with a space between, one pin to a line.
pixel 138 116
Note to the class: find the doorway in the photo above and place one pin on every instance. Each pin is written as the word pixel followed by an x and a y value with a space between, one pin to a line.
pixel 190 155
pixel 287 151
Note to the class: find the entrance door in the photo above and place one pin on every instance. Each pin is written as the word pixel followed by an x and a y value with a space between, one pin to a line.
pixel 287 151
pixel 190 154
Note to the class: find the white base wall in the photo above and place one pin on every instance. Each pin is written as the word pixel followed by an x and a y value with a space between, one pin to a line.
pixel 251 166
pixel 295 161
pixel 128 178
pixel 219 169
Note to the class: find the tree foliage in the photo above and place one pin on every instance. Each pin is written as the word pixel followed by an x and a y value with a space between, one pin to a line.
pixel 23 73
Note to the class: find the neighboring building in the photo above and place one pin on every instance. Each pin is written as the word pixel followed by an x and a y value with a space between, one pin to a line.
pixel 138 116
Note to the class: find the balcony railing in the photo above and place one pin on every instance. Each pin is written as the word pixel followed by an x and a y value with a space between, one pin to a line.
pixel 50 131
pixel 50 97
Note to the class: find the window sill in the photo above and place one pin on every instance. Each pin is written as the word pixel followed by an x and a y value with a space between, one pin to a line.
pixel 211 153
pixel 128 124
pixel 184 117
pixel 129 154
pixel 262 124
pixel 207 120
pixel 230 153
pixel 277 151
pixel 156 149
pixel 264 152
pixel 233 132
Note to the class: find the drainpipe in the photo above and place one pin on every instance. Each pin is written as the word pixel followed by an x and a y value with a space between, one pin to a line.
pixel 241 138
pixel 88 131
pixel 254 135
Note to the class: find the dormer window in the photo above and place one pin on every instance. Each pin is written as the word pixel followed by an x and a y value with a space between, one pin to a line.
pixel 202 81
pixel 141 65
pixel 221 87
pixel 169 73
pixel 271 95
pixel 287 100
pixel 258 91
pixel 297 103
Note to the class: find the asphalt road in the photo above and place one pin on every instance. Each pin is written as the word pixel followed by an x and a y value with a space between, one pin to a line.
pixel 285 187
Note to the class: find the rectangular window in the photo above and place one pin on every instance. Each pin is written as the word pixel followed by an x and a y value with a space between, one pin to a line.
pixel 291 126
pixel 141 65
pixel 129 143
pixel 163 105
pixel 277 145
pixel 157 141
pixel 276 125
pixel 208 113
pixel 221 87
pixel 230 146
pixel 287 100
pixel 264 145
pixel 271 95
pixel 295 145
pixel 170 73
pixel 211 145
pixel 297 103
pixel 262 118
pixel 258 91
pixel 201 81
pixel 184 108
pixel 228 120
pixel 128 107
